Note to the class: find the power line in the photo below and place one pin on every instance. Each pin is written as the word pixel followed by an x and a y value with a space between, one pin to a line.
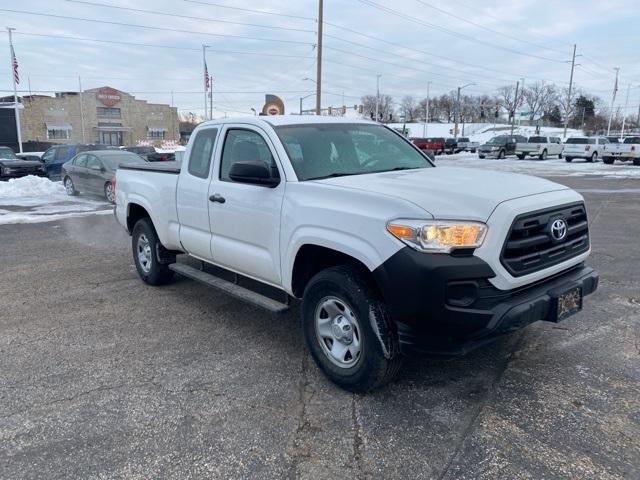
pixel 149 27
pixel 425 24
pixel 175 15
pixel 484 27
pixel 211 4
pixel 173 47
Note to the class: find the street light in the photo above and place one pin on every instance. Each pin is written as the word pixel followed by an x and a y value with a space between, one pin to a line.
pixel 309 79
pixel 455 129
pixel 302 98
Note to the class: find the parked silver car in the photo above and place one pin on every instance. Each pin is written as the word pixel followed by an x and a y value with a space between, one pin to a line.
pixel 93 171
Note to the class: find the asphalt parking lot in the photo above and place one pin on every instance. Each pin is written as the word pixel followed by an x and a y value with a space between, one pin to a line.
pixel 104 377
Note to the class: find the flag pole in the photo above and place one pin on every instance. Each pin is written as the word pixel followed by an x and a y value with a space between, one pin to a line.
pixel 205 78
pixel 14 70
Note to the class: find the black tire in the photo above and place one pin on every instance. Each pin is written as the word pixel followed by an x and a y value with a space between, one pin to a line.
pixel 560 155
pixel 543 155
pixel 374 365
pixel 473 151
pixel 501 155
pixel 636 162
pixel 153 272
pixel 568 159
pixel 69 186
pixel 109 193
pixel 608 160
pixel 480 156
pixel 593 158
pixel 521 157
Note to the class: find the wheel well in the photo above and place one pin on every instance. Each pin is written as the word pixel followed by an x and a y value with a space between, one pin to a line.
pixel 136 212
pixel 312 259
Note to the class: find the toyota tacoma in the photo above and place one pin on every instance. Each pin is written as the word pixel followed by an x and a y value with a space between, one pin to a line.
pixel 388 254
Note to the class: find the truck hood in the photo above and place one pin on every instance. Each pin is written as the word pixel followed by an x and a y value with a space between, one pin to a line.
pixel 10 162
pixel 447 192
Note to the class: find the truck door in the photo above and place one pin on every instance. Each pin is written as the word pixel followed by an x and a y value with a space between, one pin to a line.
pixel 245 217
pixel 192 199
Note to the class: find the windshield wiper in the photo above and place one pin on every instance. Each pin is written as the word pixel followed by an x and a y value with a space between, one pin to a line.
pixel 337 174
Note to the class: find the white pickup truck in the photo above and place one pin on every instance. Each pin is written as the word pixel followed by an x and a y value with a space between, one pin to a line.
pixel 541 147
pixel 589 148
pixel 466 145
pixel 627 151
pixel 389 254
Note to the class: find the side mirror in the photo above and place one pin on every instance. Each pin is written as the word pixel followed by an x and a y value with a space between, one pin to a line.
pixel 254 172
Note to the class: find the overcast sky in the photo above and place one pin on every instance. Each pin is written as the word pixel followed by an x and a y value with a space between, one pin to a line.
pixel 408 42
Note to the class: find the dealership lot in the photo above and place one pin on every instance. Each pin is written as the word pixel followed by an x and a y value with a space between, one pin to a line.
pixel 103 376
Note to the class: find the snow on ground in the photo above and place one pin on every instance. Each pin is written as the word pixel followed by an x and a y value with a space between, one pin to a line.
pixel 35 199
pixel 551 167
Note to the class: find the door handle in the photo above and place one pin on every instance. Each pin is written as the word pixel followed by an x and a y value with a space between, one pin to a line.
pixel 217 198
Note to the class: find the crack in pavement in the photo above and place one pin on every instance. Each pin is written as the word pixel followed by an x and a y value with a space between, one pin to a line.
pixel 358 441
pixel 471 426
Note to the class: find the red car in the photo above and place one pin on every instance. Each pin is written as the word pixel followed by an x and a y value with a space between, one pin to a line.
pixel 436 145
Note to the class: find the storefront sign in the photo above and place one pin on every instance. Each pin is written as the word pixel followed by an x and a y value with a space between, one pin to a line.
pixel 108 96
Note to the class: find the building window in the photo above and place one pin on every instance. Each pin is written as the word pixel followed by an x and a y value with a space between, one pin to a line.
pixel 154 133
pixel 58 131
pixel 109 112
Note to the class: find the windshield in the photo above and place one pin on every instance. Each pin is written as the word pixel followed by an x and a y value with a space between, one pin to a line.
pixel 632 140
pixel 112 162
pixel 331 150
pixel 7 154
pixel 577 141
pixel 497 141
pixel 537 139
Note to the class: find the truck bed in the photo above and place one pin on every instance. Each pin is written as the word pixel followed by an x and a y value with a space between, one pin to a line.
pixel 164 167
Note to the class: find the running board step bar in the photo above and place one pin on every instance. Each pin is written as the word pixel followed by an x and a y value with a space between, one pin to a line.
pixel 230 288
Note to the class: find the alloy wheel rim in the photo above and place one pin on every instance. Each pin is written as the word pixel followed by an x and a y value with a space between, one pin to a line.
pixel 109 192
pixel 143 248
pixel 68 185
pixel 338 332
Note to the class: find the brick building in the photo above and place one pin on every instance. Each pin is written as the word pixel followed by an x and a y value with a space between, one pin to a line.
pixel 99 115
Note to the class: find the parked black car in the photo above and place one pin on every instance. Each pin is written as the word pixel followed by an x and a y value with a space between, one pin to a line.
pixel 450 146
pixel 150 154
pixel 500 146
pixel 93 172
pixel 13 167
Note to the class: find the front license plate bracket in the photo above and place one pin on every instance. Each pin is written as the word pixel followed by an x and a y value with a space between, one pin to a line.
pixel 566 302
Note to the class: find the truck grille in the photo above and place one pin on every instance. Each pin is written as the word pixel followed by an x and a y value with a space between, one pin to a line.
pixel 532 246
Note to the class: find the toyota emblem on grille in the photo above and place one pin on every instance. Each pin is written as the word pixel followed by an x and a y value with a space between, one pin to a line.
pixel 558 229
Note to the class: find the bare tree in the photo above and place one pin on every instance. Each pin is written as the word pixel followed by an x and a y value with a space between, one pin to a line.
pixel 538 97
pixel 385 107
pixel 409 108
pixel 507 98
pixel 567 103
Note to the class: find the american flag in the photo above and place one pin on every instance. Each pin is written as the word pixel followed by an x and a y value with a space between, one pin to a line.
pixel 206 76
pixel 14 62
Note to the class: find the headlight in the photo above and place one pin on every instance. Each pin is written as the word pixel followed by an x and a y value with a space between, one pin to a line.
pixel 438 236
pixel 494 148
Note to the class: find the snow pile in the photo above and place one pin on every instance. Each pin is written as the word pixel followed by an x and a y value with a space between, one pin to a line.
pixel 29 186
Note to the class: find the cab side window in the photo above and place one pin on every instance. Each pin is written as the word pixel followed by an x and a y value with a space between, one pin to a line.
pixel 62 153
pixel 49 155
pixel 245 146
pixel 201 152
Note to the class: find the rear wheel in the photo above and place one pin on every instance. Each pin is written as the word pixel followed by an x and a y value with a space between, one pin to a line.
pixel 521 157
pixel 568 159
pixel 480 156
pixel 348 330
pixel 543 155
pixel 636 162
pixel 109 192
pixel 145 245
pixel 69 186
pixel 608 160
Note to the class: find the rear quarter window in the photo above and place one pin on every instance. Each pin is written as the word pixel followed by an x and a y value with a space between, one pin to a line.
pixel 201 152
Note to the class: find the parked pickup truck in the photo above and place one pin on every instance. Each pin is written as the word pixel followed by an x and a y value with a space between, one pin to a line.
pixel 541 147
pixel 388 254
pixel 627 151
pixel 435 145
pixel 589 148
pixel 13 167
pixel 466 145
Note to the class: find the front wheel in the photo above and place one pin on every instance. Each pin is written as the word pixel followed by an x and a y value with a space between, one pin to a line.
pixel 593 158
pixel 109 192
pixel 69 186
pixel 521 157
pixel 145 245
pixel 348 331
pixel 501 155
pixel 480 156
pixel 543 155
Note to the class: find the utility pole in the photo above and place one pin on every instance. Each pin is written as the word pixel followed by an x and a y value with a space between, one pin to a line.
pixel 457 109
pixel 15 91
pixel 319 59
pixel 205 77
pixel 377 97
pixel 613 100
pixel 566 119
pixel 515 104
pixel 522 95
pixel 81 108
pixel 624 113
pixel 426 113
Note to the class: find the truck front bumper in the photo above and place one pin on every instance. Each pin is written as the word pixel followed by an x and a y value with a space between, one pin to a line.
pixel 444 305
